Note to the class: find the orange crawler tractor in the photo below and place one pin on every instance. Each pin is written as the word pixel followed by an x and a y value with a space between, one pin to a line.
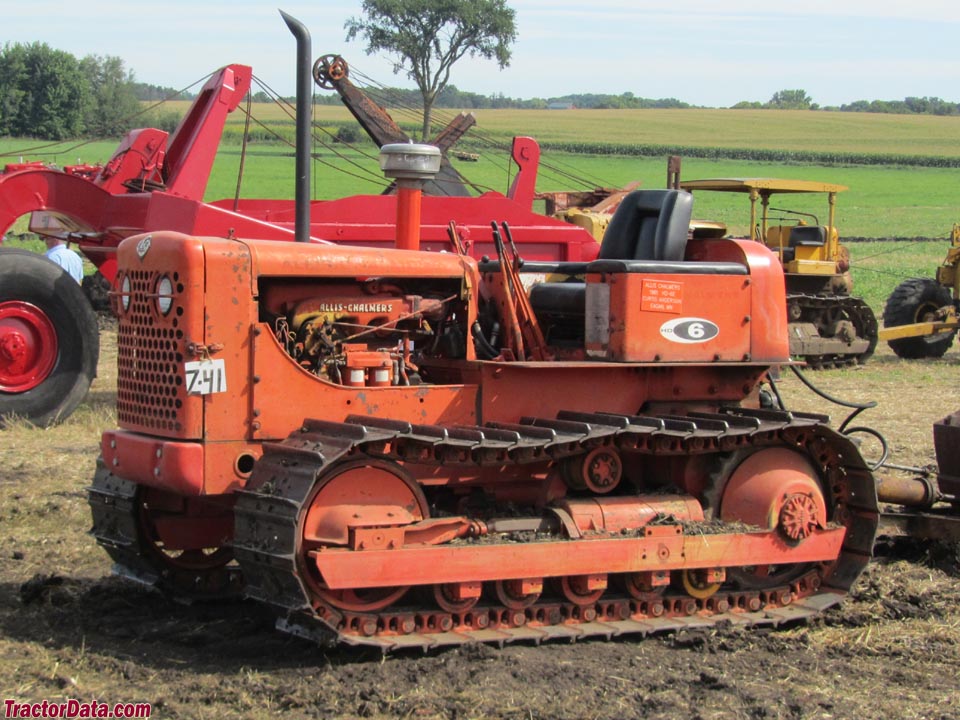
pixel 410 449
pixel 402 448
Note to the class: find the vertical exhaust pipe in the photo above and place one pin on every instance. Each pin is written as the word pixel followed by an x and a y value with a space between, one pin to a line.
pixel 304 102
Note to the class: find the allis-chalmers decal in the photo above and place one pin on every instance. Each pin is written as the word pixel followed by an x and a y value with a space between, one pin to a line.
pixel 689 330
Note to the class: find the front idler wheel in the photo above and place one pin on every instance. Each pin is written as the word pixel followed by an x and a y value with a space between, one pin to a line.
pixel 366 496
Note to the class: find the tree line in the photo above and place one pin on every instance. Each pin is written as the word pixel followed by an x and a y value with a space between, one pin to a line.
pixel 51 95
pixel 454 98
pixel 799 100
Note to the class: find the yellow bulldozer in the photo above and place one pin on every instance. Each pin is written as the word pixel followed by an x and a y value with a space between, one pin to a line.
pixel 828 326
pixel 922 315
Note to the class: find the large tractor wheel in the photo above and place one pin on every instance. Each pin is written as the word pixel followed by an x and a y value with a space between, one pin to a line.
pixel 917 300
pixel 49 343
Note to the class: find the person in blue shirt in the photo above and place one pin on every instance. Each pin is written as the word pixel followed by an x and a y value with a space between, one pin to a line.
pixel 69 260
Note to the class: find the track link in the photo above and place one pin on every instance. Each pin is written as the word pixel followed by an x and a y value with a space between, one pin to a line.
pixel 268 514
pixel 118 526
pixel 820 310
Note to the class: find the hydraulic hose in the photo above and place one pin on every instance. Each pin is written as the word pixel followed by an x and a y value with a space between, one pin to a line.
pixel 485 350
pixel 844 428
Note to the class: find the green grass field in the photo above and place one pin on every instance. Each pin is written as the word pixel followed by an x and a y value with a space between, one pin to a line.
pixel 878 267
pixel 772 129
pixel 882 202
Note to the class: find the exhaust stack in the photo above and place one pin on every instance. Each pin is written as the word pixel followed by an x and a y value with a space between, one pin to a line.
pixel 304 103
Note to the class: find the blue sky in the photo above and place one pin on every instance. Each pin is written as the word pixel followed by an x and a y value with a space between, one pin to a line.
pixel 704 52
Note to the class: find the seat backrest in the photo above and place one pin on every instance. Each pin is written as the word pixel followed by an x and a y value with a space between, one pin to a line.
pixel 649 225
pixel 777 234
pixel 807 235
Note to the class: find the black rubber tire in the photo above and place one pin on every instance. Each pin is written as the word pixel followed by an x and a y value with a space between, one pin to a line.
pixel 31 278
pixel 907 304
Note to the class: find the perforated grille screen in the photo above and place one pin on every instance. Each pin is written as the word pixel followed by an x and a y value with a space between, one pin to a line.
pixel 150 392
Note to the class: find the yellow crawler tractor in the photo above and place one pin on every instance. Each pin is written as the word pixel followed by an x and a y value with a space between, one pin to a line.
pixel 922 315
pixel 828 326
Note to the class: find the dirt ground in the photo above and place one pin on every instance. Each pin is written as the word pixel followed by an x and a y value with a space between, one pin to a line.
pixel 70 630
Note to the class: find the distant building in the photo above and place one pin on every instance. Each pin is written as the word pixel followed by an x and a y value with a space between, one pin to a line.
pixel 561 106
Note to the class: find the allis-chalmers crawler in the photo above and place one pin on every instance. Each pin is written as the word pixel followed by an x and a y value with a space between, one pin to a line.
pixel 405 448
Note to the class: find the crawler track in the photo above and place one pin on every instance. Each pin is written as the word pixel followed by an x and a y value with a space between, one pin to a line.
pixel 120 528
pixel 821 311
pixel 268 516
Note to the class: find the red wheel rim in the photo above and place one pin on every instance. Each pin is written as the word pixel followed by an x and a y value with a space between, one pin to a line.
pixel 28 346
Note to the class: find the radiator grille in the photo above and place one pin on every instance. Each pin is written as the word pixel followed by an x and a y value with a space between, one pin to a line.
pixel 150 392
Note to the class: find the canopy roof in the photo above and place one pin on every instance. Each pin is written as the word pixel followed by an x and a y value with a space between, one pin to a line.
pixel 764 186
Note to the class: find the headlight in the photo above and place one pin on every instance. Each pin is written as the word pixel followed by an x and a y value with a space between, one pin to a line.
pixel 126 287
pixel 164 295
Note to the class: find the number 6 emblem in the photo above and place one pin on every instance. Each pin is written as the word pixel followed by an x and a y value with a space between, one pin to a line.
pixel 689 330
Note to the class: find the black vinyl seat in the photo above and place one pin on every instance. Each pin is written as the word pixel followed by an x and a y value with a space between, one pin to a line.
pixel 649 225
pixel 809 235
pixel 647 235
pixel 803 235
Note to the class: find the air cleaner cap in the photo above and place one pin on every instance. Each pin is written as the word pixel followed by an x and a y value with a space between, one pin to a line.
pixel 410 161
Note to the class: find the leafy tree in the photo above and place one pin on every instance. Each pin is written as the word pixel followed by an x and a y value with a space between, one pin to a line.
pixel 856 106
pixel 161 119
pixel 429 36
pixel 153 93
pixel 13 72
pixel 791 100
pixel 930 106
pixel 43 92
pixel 113 102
